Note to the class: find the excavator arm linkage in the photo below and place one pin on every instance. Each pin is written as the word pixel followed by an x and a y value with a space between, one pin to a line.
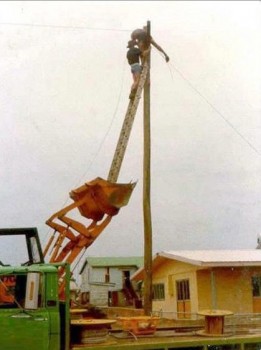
pixel 98 200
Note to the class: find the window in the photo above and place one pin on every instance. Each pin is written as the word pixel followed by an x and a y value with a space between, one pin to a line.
pixel 256 286
pixel 7 288
pixel 183 292
pixel 16 287
pixel 158 291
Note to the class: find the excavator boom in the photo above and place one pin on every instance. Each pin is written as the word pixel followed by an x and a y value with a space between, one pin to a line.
pixel 126 128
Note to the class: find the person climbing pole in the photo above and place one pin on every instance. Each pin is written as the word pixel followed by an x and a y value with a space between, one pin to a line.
pixel 143 40
pixel 133 57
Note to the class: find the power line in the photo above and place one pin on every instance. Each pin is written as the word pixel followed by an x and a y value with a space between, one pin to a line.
pixel 62 26
pixel 216 110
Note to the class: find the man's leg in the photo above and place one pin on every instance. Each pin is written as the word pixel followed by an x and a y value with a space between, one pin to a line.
pixel 136 77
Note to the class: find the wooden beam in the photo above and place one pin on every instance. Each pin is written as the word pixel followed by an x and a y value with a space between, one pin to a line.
pixel 146 194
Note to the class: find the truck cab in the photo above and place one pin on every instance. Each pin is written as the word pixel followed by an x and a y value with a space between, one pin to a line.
pixel 31 314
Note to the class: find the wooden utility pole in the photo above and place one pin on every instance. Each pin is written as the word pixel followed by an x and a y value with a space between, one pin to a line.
pixel 146 195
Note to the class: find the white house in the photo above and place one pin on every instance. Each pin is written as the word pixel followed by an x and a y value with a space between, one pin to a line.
pixel 106 280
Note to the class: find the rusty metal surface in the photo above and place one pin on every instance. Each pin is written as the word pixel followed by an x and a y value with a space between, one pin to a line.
pixel 101 197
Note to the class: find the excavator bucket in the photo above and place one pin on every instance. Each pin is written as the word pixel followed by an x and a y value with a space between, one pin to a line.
pixel 101 197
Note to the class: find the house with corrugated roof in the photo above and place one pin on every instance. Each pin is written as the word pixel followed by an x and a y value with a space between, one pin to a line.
pixel 106 280
pixel 185 282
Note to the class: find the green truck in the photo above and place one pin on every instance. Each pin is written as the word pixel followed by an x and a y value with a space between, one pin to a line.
pixel 31 314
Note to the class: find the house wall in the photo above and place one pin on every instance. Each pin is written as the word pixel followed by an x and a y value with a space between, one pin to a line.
pixel 99 295
pixel 204 290
pixel 233 288
pixel 116 277
pixel 97 274
pixel 168 273
pixel 92 275
pixel 227 288
pixel 224 288
pixel 85 280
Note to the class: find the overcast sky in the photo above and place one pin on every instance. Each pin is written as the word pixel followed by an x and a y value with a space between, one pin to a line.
pixel 64 91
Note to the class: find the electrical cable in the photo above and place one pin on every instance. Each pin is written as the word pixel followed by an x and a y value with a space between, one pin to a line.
pixel 79 259
pixel 62 27
pixel 214 108
pixel 108 129
pixel 102 141
pixel 99 148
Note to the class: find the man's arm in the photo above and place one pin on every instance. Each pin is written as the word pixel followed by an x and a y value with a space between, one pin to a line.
pixel 153 42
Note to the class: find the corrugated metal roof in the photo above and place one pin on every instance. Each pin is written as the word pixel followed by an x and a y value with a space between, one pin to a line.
pixel 240 257
pixel 207 258
pixel 114 261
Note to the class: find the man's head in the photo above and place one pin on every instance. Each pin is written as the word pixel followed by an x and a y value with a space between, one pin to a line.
pixel 131 43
